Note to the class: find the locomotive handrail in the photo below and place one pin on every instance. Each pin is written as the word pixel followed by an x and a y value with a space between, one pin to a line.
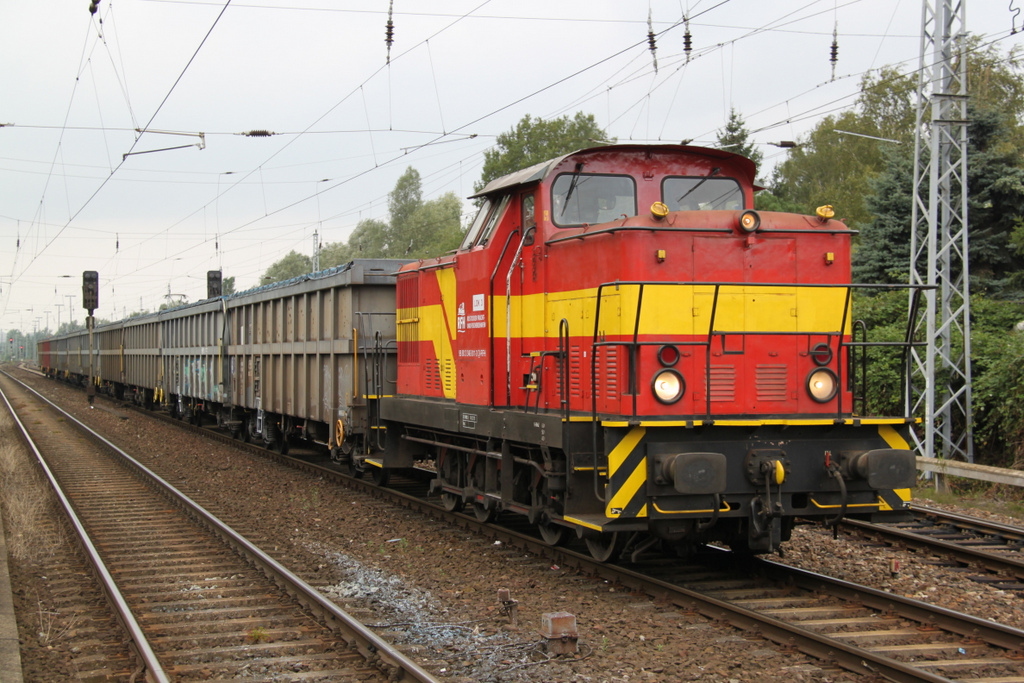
pixel 634 343
pixel 563 367
pixel 621 228
pixel 861 326
pixel 490 318
pixel 663 228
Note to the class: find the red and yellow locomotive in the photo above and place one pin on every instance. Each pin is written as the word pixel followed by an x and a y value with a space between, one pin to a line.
pixel 622 347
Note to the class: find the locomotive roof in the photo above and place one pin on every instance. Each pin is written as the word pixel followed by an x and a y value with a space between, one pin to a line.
pixel 540 171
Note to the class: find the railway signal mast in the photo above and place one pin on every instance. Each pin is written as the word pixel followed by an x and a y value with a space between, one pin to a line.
pixel 939 240
pixel 90 302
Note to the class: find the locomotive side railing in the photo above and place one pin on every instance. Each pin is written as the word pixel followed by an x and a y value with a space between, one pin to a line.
pixel 856 347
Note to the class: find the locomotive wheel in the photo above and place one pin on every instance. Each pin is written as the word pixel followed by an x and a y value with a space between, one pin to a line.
pixel 606 546
pixel 553 534
pixel 484 515
pixel 451 502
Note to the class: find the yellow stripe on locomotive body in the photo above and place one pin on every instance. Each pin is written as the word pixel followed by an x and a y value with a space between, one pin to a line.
pixel 755 309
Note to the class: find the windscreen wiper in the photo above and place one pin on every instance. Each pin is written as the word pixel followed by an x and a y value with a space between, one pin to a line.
pixel 714 171
pixel 572 186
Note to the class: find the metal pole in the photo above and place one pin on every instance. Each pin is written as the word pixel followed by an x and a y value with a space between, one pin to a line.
pixel 90 391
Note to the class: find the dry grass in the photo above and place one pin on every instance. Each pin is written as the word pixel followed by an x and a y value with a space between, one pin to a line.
pixel 53 625
pixel 24 508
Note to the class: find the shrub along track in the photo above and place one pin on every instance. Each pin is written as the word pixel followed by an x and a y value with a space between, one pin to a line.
pixel 198 601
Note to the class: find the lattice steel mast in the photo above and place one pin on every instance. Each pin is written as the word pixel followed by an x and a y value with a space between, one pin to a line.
pixel 941 377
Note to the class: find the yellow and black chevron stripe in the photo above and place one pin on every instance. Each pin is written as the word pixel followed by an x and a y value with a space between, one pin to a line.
pixel 627 476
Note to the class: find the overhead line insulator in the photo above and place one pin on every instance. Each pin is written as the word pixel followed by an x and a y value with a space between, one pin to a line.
pixel 389 31
pixel 652 44
pixel 687 40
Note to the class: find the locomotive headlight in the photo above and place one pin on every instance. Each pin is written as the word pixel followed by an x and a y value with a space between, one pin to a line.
pixel 822 385
pixel 668 386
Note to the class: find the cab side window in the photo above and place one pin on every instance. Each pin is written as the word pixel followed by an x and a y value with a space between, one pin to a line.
pixel 493 220
pixel 486 220
pixel 478 224
pixel 529 221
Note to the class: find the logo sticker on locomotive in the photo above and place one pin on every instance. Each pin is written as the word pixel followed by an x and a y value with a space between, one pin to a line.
pixel 478 302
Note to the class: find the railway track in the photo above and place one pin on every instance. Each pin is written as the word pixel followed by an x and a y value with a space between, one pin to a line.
pixel 986 551
pixel 860 629
pixel 196 600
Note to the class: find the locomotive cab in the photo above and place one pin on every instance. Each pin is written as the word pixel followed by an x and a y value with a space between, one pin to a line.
pixel 623 348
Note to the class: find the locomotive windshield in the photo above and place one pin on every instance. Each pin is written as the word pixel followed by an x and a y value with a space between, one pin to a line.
pixel 585 198
pixel 483 225
pixel 701 194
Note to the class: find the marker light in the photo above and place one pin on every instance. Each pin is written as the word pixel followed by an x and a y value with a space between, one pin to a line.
pixel 750 221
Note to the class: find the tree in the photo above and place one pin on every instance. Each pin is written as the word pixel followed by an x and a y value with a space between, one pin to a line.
pixel 995 182
pixel 227 286
pixel 883 252
pixel 736 138
pixel 836 168
pixel 415 228
pixel 532 141
pixel 888 103
pixel 405 199
pixel 291 265
pixel 435 228
pixel 996 201
pixel 833 168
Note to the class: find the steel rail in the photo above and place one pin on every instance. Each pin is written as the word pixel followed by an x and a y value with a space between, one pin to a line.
pixel 991 561
pixel 370 645
pixel 817 645
pixel 137 641
pixel 967 522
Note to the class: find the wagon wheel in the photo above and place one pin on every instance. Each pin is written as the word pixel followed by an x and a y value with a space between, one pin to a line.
pixel 281 444
pixel 484 515
pixel 380 475
pixel 356 467
pixel 343 441
pixel 606 546
pixel 452 502
pixel 553 534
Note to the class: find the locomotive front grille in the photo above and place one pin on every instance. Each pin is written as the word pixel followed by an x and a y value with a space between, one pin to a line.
pixel 610 374
pixel 771 381
pixel 722 387
pixel 433 376
pixel 575 372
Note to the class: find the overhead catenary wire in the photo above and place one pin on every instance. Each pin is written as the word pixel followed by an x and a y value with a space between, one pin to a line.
pixel 151 119
pixel 639 106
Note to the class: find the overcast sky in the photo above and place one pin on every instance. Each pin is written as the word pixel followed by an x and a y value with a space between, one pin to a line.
pixel 81 190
